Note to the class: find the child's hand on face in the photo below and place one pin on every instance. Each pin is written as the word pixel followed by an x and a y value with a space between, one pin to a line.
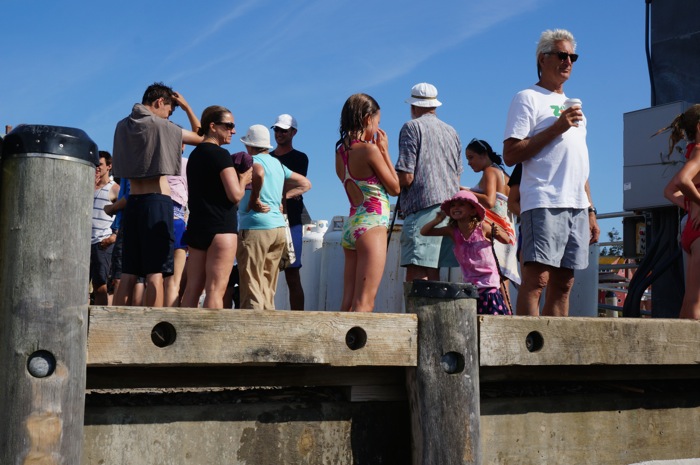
pixel 381 141
pixel 440 215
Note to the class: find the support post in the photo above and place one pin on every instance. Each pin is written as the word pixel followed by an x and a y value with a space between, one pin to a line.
pixel 46 185
pixel 443 388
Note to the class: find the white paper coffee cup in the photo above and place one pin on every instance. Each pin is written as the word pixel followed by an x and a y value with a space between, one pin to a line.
pixel 571 102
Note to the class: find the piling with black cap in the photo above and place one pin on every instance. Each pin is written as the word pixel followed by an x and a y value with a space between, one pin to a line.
pixel 443 388
pixel 47 176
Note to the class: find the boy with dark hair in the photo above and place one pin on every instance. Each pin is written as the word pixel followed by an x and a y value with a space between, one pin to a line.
pixel 147 148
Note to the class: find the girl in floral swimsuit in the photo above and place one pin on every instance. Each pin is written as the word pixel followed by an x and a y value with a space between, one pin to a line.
pixel 683 191
pixel 363 165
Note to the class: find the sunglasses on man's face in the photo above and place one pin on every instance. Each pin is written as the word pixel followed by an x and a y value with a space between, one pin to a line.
pixel 280 130
pixel 563 56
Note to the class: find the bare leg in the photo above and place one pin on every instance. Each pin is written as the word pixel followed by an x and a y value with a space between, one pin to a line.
pixel 123 293
pixel 349 279
pixel 138 293
pixel 414 272
pixel 154 295
pixel 534 280
pixel 556 300
pixel 691 300
pixel 296 291
pixel 101 296
pixel 196 276
pixel 371 258
pixel 172 283
pixel 115 287
pixel 219 263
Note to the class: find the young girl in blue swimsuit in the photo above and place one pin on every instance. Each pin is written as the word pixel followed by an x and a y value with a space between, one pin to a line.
pixel 363 165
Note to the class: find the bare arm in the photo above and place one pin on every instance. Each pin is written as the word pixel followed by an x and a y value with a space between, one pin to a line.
pixel 517 150
pixel 189 137
pixel 514 199
pixel 232 184
pixel 672 194
pixel 430 229
pixel 296 185
pixel 489 184
pixel 683 180
pixel 489 228
pixel 592 220
pixel 258 178
pixel 113 208
pixel 381 164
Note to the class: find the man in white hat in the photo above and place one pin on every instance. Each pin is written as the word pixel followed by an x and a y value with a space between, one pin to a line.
pixel 429 168
pixel 261 226
pixel 285 129
pixel 557 217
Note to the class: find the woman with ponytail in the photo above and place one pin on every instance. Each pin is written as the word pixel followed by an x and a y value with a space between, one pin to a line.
pixel 492 193
pixel 683 192
pixel 215 188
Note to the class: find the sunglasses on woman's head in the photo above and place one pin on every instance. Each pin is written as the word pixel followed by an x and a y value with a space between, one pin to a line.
pixel 479 143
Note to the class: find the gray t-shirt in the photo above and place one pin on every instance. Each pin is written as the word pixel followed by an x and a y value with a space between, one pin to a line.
pixel 146 146
pixel 431 150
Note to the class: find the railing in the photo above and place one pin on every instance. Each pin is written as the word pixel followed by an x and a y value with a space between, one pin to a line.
pixel 610 309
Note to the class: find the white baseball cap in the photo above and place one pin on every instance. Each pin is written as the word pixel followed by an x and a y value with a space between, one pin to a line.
pixel 424 95
pixel 257 136
pixel 285 122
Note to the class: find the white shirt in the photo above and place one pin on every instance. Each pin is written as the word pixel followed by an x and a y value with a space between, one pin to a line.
pixel 557 175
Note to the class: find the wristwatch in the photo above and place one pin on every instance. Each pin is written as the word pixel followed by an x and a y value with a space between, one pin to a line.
pixel 592 209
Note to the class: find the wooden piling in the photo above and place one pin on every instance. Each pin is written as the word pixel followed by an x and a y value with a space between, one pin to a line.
pixel 444 387
pixel 46 186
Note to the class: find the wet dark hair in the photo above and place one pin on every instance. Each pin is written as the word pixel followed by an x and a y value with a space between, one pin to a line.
pixel 158 90
pixel 352 117
pixel 212 114
pixel 683 126
pixel 482 147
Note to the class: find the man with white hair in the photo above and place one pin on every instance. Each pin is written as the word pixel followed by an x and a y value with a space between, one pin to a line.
pixel 558 219
pixel 429 168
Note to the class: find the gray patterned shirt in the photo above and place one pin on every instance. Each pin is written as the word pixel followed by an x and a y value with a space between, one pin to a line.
pixel 431 150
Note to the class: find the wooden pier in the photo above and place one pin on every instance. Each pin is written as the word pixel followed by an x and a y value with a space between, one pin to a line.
pixel 320 387
pixel 438 385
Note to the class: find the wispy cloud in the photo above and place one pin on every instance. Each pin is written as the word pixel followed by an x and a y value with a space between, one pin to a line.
pixel 241 9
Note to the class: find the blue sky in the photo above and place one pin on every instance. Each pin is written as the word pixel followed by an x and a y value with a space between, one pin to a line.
pixel 84 64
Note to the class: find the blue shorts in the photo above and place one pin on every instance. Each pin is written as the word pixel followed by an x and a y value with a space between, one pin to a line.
pixel 427 251
pixel 557 237
pixel 179 226
pixel 297 239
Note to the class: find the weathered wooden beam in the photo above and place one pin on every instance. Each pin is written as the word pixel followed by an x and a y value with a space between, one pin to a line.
pixel 163 377
pixel 443 389
pixel 547 341
pixel 46 192
pixel 140 336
